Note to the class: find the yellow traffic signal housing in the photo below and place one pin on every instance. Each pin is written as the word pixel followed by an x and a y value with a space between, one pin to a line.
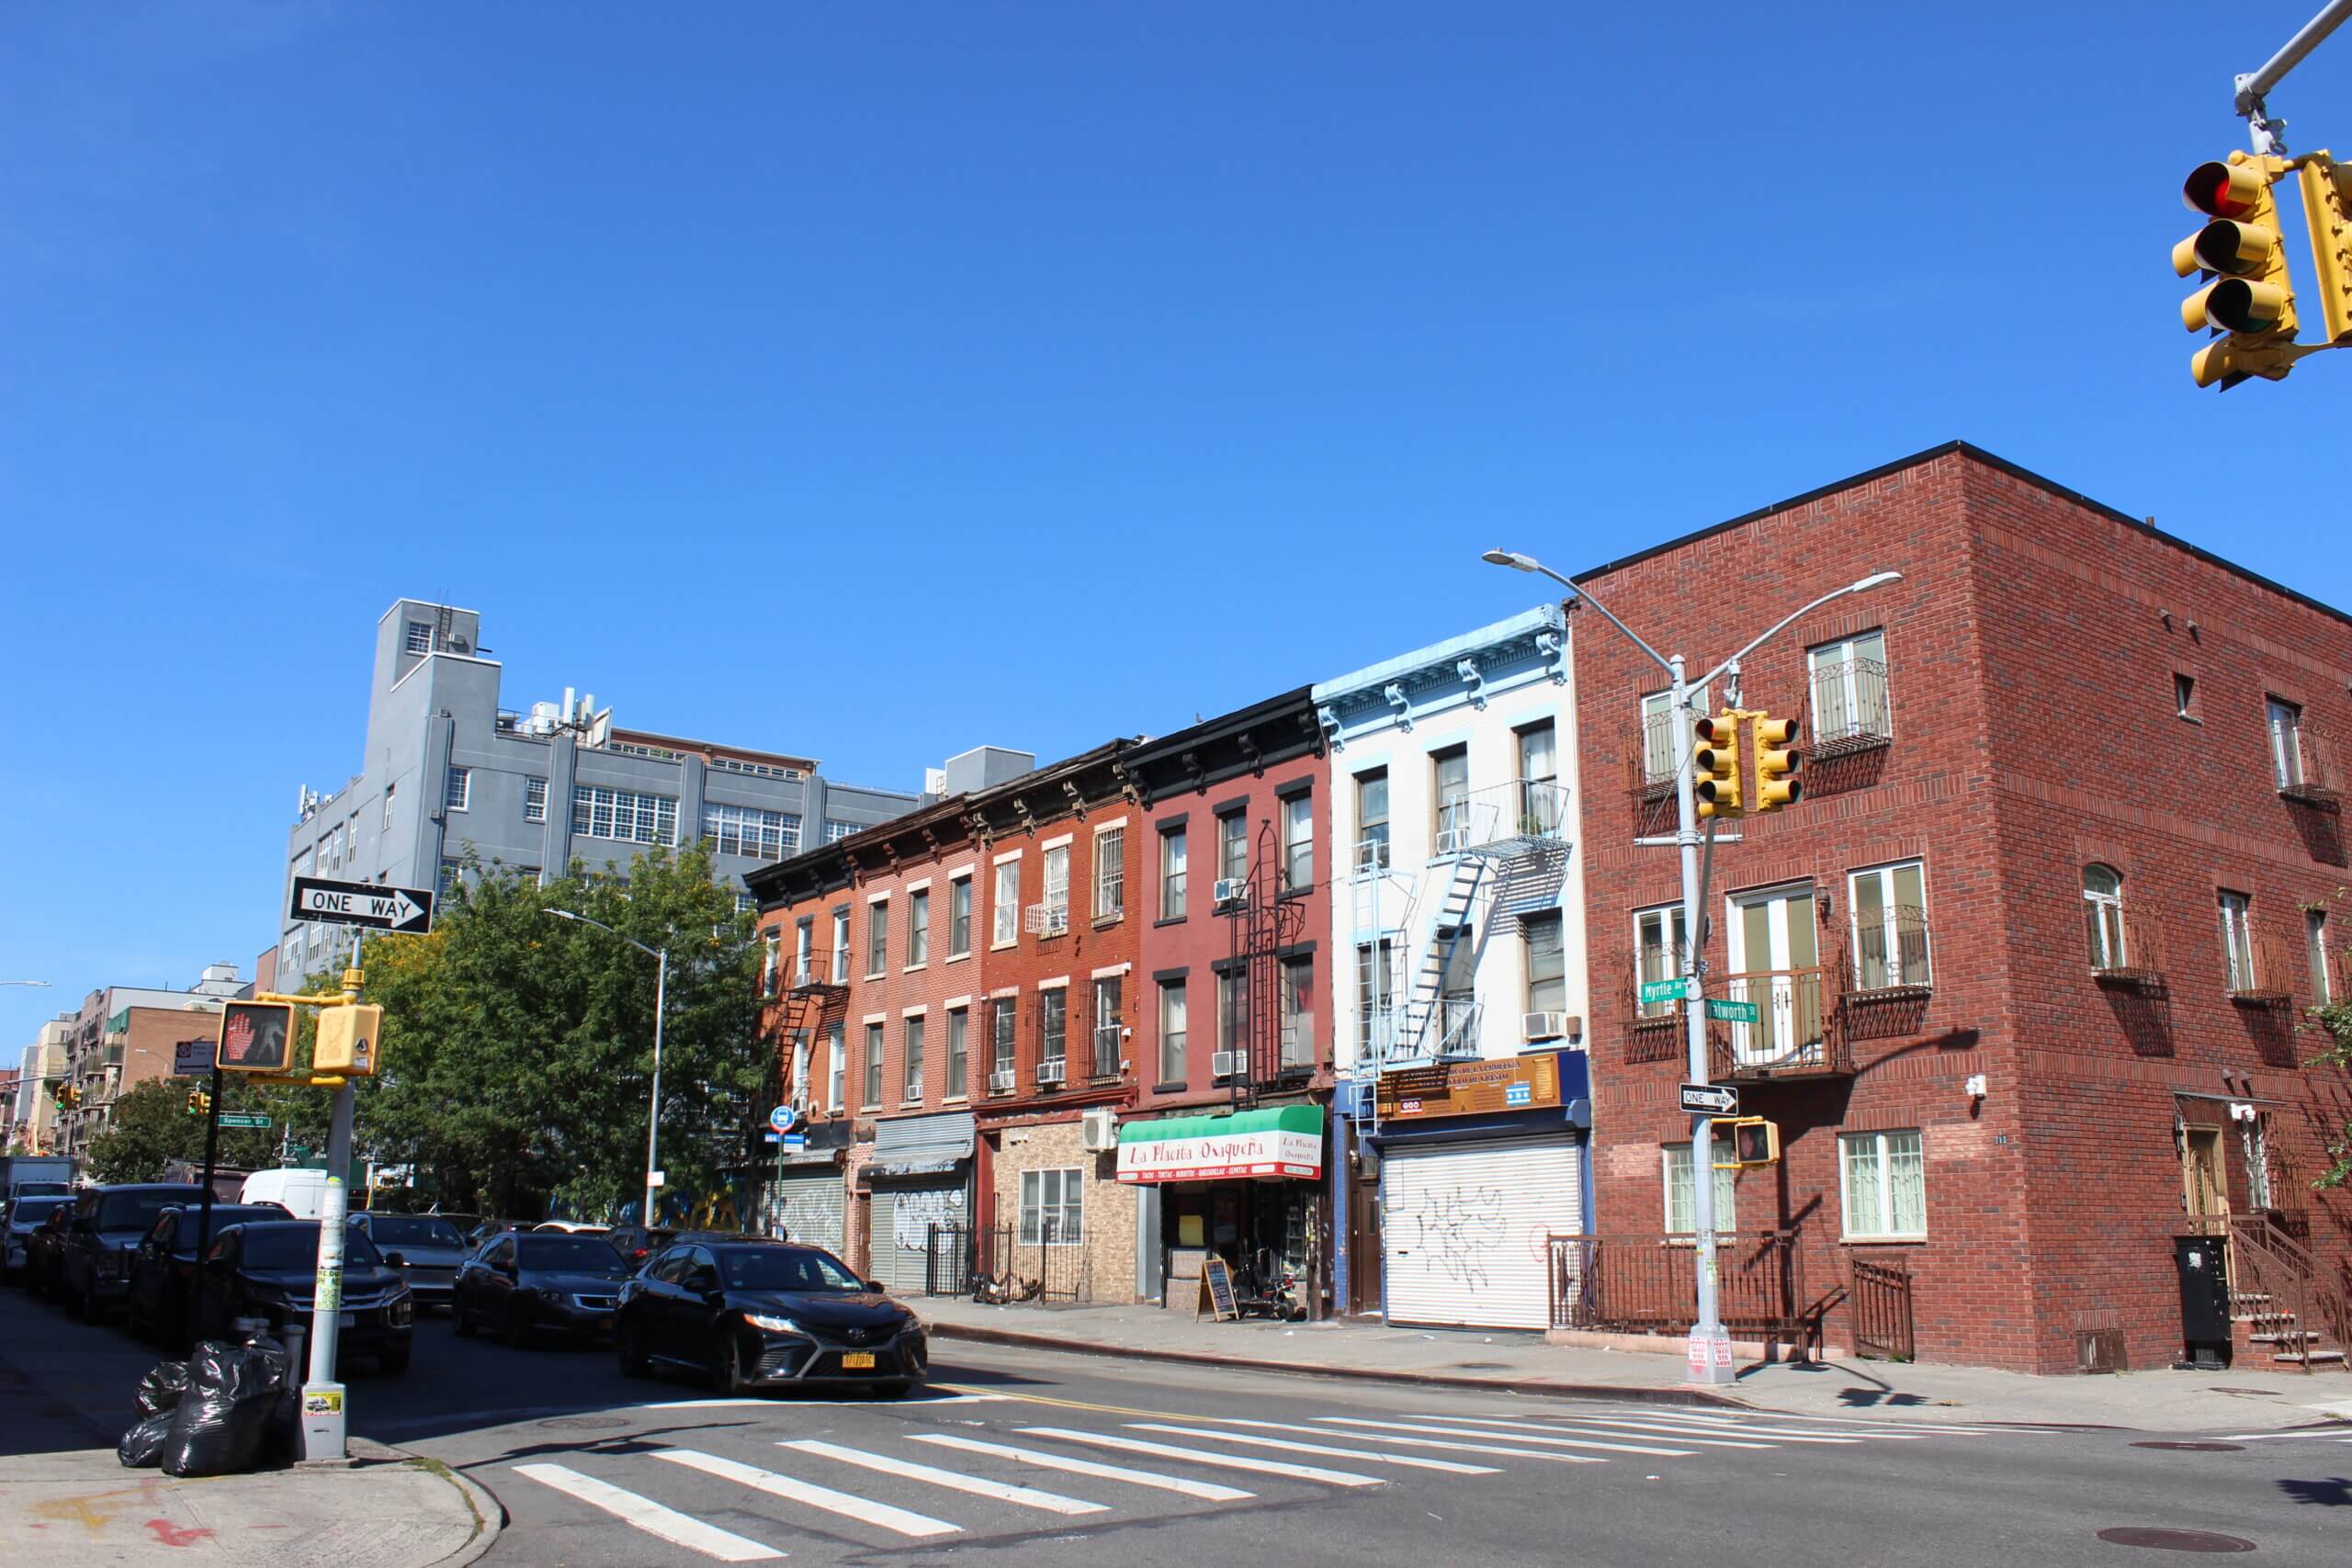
pixel 198 1103
pixel 350 1040
pixel 1754 1141
pixel 2252 299
pixel 255 1037
pixel 1776 764
pixel 2327 210
pixel 1715 764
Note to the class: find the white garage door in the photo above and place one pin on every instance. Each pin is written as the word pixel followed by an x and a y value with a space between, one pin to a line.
pixel 808 1206
pixel 1462 1230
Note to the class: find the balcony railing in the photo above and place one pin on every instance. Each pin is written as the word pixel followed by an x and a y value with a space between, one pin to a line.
pixel 810 975
pixel 2304 765
pixel 2264 970
pixel 1795 1033
pixel 1891 952
pixel 1850 712
pixel 2126 948
pixel 1506 818
pixel 1648 1284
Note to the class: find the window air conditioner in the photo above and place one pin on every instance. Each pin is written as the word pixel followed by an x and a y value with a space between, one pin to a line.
pixel 1226 1064
pixel 1000 1082
pixel 1452 840
pixel 1232 890
pixel 1045 920
pixel 1535 1026
pixel 1099 1130
pixel 1050 1072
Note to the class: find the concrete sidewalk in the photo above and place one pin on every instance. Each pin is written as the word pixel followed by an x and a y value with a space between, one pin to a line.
pixel 1507 1361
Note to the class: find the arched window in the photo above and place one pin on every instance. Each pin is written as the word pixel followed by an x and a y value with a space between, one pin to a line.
pixel 2103 914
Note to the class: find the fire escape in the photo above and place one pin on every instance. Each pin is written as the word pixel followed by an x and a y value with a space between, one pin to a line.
pixel 1260 922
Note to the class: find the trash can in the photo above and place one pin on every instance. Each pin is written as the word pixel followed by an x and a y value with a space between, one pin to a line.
pixel 2204 1300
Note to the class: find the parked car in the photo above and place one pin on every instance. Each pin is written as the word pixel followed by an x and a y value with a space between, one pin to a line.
pixel 45 1251
pixel 520 1283
pixel 17 1230
pixel 163 1266
pixel 637 1243
pixel 427 1249
pixel 571 1227
pixel 754 1314
pixel 489 1228
pixel 94 1272
pixel 303 1191
pixel 269 1268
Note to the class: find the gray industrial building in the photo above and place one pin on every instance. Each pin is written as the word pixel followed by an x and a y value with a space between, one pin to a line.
pixel 449 775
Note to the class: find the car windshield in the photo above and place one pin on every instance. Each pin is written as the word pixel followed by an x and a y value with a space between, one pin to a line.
pixel 30 1210
pixel 283 1247
pixel 140 1210
pixel 414 1230
pixel 784 1268
pixel 572 1254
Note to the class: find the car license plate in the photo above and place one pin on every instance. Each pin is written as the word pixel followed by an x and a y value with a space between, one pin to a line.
pixel 857 1360
pixel 346 1320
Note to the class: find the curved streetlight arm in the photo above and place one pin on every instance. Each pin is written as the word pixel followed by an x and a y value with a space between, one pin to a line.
pixel 585 920
pixel 1518 562
pixel 1873 581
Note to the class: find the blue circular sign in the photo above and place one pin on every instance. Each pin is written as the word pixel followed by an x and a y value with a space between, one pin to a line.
pixel 781 1117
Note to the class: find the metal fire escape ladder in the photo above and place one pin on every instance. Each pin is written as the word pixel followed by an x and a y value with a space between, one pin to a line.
pixel 1465 877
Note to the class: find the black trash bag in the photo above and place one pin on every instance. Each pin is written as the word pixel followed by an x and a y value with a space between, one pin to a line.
pixel 142 1447
pixel 160 1390
pixel 224 1418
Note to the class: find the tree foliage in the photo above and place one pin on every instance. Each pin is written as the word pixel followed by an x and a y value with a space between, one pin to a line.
pixel 2336 1019
pixel 151 1123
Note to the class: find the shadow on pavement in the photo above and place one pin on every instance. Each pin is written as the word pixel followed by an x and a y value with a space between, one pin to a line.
pixel 2333 1493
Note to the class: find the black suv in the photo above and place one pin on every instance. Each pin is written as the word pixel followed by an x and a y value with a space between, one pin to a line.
pixel 516 1284
pixel 269 1270
pixel 94 1270
pixel 163 1266
pixel 762 1313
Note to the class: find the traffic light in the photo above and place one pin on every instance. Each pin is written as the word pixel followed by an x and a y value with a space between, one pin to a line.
pixel 1776 764
pixel 2252 300
pixel 349 1040
pixel 1714 764
pixel 1754 1141
pixel 2327 211
pixel 73 1096
pixel 255 1037
pixel 199 1102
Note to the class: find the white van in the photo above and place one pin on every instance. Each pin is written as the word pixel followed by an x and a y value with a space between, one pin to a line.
pixel 302 1191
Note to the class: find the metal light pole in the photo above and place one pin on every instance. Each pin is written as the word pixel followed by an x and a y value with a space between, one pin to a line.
pixel 661 957
pixel 1708 1352
pixel 2253 86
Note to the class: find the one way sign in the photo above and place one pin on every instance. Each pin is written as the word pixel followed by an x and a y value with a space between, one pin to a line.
pixel 356 904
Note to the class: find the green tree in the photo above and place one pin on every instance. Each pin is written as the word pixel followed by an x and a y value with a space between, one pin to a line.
pixel 151 1123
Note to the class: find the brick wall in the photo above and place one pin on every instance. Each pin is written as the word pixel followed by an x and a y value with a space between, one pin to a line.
pixel 1108 1222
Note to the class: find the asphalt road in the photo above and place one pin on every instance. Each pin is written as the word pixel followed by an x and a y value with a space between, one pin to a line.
pixel 1029 1457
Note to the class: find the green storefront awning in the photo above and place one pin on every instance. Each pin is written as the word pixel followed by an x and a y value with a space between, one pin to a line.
pixel 1284 1140
pixel 1270 1119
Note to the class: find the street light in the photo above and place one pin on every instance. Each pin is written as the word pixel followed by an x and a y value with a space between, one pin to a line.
pixel 23 983
pixel 661 957
pixel 1708 1353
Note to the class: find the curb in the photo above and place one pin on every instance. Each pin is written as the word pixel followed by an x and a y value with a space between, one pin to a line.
pixel 490 1514
pixel 1633 1395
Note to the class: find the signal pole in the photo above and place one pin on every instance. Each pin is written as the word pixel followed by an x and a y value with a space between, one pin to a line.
pixel 2252 86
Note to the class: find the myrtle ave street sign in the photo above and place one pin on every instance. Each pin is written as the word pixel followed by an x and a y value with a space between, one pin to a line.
pixel 1677 988
pixel 1711 1099
pixel 356 904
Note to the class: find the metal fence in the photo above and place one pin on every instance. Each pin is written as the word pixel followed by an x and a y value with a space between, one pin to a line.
pixel 998 1263
pixel 1881 1310
pixel 1647 1284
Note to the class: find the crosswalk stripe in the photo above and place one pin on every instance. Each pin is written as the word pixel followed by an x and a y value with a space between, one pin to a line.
pixel 1448 1445
pixel 1818 1438
pixel 1473 1432
pixel 1602 1427
pixel 955 1480
pixel 1201 1456
pixel 1207 1490
pixel 902 1521
pixel 1856 1421
pixel 678 1529
pixel 1790 1434
pixel 1295 1446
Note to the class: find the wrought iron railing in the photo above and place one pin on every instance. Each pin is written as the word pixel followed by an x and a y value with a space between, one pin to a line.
pixel 1851 711
pixel 2263 969
pixel 2126 947
pixel 1891 951
pixel 2275 1282
pixel 1648 1284
pixel 1796 1030
pixel 1881 1297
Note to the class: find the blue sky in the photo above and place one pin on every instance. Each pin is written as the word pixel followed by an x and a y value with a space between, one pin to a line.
pixel 874 381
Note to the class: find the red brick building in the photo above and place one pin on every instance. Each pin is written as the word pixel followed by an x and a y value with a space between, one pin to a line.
pixel 2034 954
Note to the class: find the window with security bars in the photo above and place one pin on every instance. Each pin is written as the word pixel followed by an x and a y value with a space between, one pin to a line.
pixel 601 813
pixel 1682 1201
pixel 1883 1178
pixel 1053 1207
pixel 748 831
pixel 1110 872
pixel 1058 880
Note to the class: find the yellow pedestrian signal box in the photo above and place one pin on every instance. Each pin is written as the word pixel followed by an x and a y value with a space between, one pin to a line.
pixel 1754 1141
pixel 255 1037
pixel 2327 210
pixel 1714 764
pixel 348 1040
pixel 1776 764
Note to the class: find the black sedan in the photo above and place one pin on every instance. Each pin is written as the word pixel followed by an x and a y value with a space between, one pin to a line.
pixel 23 1217
pixel 763 1314
pixel 426 1248
pixel 521 1284
pixel 269 1271
pixel 163 1266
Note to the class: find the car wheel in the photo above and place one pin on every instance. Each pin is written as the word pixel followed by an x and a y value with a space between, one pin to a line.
pixel 726 1365
pixel 461 1322
pixel 628 1344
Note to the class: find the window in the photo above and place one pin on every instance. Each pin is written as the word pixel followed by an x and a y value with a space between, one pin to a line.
pixel 1850 701
pixel 1057 884
pixel 959 1052
pixel 1110 1025
pixel 2103 916
pixel 835 831
pixel 2286 743
pixel 419 638
pixel 1053 1208
pixel 1372 820
pixel 1053 1034
pixel 1006 913
pixel 601 813
pixel 837 1054
pixel 1110 872
pixel 1232 1010
pixel 388 805
pixel 768 948
pixel 1547 962
pixel 878 936
pixel 918 928
pixel 2257 1136
pixel 1375 996
pixel 1233 847
pixel 1540 800
pixel 914 1028
pixel 459 789
pixel 2237 940
pixel 452 875
pixel 1172 1031
pixel 959 916
pixel 1659 937
pixel 798 1087
pixel 840 947
pixel 1890 914
pixel 535 800
pixel 1450 770
pixel 748 831
pixel 804 937
pixel 1297 1004
pixel 1885 1183
pixel 872 1066
pixel 1171 873
pixel 1657 732
pixel 2184 696
pixel 1001 1022
pixel 1681 1218
pixel 1298 842
pixel 2315 943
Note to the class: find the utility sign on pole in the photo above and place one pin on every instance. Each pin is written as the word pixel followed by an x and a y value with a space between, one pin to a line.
pixel 1709 1100
pixel 358 904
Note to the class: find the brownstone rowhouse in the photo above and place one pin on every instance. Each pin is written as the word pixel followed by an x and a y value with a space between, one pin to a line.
pixel 2070 836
